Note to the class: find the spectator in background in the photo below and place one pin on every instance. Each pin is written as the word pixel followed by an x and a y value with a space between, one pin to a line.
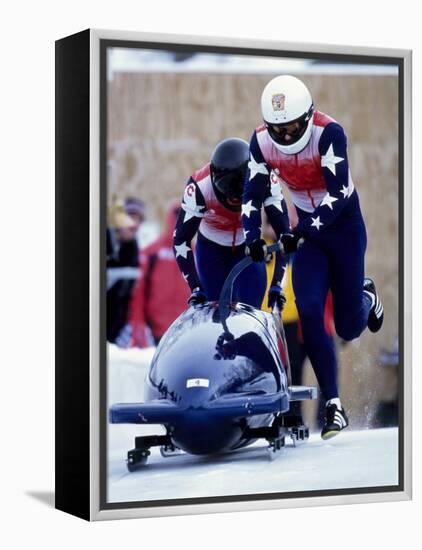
pixel 135 208
pixel 147 231
pixel 160 294
pixel 122 268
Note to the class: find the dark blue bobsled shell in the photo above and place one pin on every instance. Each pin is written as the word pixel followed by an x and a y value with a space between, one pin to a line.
pixel 213 377
pixel 219 374
pixel 244 358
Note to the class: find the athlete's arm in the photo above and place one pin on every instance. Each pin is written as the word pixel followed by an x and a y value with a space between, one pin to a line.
pixel 187 224
pixel 260 190
pixel 276 210
pixel 255 191
pixel 335 169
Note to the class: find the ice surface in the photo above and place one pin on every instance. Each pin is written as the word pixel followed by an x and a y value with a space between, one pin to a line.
pixel 365 458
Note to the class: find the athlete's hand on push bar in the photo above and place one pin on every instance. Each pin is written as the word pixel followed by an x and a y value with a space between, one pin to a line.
pixel 290 242
pixel 257 250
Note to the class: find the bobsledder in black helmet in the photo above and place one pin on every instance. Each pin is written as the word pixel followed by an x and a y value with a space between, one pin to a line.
pixel 211 209
pixel 229 162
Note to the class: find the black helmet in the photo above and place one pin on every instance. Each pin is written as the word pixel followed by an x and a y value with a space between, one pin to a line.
pixel 229 162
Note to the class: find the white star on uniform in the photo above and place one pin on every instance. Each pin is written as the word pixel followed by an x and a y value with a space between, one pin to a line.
pixel 346 191
pixel 185 276
pixel 192 210
pixel 328 201
pixel 256 168
pixel 276 197
pixel 248 208
pixel 316 222
pixel 182 250
pixel 329 160
pixel 245 233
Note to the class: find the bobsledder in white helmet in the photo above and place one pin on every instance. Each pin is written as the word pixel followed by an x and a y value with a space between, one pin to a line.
pixel 288 111
pixel 306 151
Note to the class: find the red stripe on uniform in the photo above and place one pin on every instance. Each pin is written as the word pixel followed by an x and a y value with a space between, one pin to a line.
pixel 312 198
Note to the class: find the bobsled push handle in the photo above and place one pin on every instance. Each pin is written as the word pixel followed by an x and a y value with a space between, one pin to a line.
pixel 227 290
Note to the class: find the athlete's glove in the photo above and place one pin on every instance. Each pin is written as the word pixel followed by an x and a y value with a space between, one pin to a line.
pixel 276 296
pixel 197 297
pixel 291 242
pixel 257 250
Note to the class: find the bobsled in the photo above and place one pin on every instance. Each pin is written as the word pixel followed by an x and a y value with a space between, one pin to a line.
pixel 219 380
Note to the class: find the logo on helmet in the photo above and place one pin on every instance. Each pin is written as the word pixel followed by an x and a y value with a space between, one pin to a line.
pixel 278 102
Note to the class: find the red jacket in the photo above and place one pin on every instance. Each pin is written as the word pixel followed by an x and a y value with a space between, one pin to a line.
pixel 161 293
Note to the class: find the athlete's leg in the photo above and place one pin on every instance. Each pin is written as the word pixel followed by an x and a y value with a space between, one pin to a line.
pixel 214 263
pixel 297 356
pixel 310 284
pixel 250 286
pixel 347 268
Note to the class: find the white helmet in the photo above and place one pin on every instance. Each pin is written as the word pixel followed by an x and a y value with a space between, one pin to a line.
pixel 286 101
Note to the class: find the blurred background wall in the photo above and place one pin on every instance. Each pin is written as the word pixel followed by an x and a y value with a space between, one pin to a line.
pixel 162 126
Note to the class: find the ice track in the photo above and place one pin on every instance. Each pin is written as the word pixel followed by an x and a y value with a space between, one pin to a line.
pixel 354 459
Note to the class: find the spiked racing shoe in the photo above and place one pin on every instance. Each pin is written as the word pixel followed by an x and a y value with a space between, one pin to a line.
pixel 335 419
pixel 376 313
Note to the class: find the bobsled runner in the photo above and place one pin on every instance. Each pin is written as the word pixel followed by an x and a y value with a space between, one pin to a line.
pixel 219 380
